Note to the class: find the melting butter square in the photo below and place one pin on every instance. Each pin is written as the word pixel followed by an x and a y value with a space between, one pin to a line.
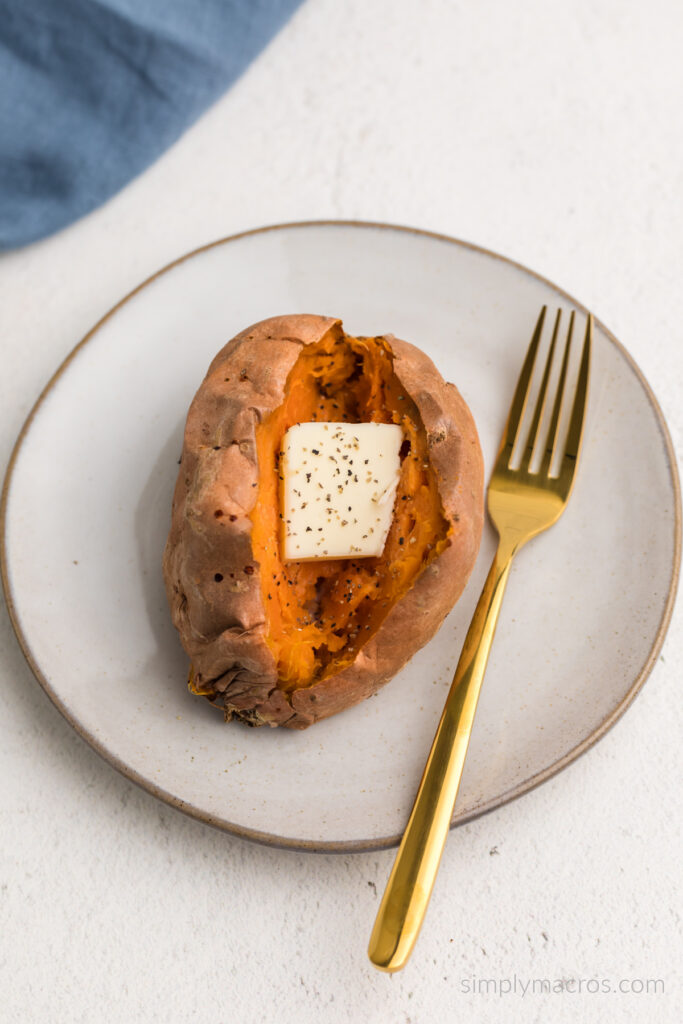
pixel 339 483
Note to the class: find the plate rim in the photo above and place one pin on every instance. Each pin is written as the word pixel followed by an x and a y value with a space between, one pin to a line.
pixel 355 845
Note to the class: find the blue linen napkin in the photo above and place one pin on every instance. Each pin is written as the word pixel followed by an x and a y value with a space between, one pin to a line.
pixel 92 91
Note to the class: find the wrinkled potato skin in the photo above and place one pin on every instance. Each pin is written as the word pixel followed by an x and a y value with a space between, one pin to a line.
pixel 222 624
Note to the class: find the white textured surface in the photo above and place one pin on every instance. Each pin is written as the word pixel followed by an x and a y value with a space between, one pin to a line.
pixel 548 132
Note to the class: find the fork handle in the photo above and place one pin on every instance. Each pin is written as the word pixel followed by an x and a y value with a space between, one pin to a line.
pixel 410 884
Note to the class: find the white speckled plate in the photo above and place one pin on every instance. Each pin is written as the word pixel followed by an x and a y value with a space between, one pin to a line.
pixel 86 510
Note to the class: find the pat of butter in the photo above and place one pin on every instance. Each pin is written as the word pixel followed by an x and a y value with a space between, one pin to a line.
pixel 339 486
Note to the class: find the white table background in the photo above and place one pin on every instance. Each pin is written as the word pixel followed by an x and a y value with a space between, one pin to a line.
pixel 550 132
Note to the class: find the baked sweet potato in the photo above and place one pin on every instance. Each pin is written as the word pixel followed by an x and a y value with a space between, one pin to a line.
pixel 289 644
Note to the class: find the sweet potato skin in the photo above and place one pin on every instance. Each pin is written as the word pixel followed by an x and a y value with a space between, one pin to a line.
pixel 212 579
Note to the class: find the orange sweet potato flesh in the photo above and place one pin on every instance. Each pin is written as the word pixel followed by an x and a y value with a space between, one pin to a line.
pixel 320 613
pixel 290 643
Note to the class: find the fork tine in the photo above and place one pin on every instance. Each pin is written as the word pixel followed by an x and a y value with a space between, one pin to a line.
pixel 540 401
pixel 559 401
pixel 518 407
pixel 575 432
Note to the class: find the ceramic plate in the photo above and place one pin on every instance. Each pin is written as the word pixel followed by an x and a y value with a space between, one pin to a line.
pixel 86 512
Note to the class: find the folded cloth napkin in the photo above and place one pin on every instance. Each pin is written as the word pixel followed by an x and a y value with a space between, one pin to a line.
pixel 92 91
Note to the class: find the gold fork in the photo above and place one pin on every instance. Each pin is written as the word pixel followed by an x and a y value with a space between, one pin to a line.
pixel 521 503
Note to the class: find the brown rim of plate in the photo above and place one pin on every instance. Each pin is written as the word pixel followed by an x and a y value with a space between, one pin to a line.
pixel 351 846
